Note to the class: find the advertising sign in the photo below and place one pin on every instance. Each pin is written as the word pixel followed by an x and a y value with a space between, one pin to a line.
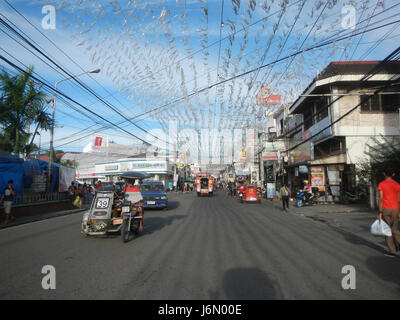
pixel 99 142
pixel 300 154
pixel 264 97
pixel 270 156
pixel 271 190
pixel 303 169
pixel 111 167
pixel 318 177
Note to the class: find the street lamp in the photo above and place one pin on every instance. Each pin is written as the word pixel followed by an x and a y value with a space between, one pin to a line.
pixel 52 126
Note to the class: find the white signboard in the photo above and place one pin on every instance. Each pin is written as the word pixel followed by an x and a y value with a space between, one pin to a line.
pixel 99 142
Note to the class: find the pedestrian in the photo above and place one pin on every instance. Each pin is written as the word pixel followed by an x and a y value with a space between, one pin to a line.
pixel 8 198
pixel 72 191
pixel 85 192
pixel 284 193
pixel 389 208
pixel 79 192
pixel 78 200
pixel 90 193
pixel 98 184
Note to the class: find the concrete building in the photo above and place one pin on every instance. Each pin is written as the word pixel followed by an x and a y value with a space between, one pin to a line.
pixel 335 119
pixel 160 169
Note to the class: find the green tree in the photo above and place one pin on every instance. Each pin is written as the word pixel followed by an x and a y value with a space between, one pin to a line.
pixel 21 104
pixel 383 153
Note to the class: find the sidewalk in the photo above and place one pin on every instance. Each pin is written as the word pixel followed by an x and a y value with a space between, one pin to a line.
pixel 351 219
pixel 27 218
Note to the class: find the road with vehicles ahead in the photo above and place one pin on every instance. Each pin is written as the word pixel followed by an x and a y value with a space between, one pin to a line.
pixel 201 248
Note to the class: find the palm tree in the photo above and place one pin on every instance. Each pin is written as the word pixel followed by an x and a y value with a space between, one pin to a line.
pixel 21 105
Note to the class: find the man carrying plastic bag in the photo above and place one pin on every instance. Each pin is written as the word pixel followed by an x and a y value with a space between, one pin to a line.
pixel 389 210
pixel 380 228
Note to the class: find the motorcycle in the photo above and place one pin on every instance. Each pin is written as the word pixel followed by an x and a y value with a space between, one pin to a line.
pixel 305 198
pixel 114 211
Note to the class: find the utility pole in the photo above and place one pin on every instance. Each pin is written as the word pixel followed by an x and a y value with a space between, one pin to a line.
pixel 51 151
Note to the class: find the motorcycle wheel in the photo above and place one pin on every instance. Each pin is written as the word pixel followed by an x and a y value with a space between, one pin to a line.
pixel 299 203
pixel 125 231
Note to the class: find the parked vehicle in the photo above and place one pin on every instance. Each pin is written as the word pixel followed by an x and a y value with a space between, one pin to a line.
pixel 251 194
pixel 115 211
pixel 154 194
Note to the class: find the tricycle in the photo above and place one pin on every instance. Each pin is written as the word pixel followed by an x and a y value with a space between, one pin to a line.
pixel 116 210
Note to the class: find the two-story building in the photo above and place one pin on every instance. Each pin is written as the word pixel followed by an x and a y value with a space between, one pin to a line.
pixel 340 114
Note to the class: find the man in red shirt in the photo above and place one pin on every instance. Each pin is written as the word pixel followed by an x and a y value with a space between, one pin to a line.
pixel 389 207
pixel 135 196
pixel 241 187
pixel 99 184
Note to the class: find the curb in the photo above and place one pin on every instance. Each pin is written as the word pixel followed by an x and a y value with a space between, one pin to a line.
pixel 41 218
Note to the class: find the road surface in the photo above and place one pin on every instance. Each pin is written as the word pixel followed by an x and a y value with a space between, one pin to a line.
pixel 202 248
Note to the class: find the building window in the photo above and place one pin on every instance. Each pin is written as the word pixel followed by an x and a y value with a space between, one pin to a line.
pixel 330 147
pixel 380 102
pixel 308 120
pixel 321 110
pixel 390 102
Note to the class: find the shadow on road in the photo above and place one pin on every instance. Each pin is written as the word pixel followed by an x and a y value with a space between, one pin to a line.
pixel 385 268
pixel 249 284
pixel 152 224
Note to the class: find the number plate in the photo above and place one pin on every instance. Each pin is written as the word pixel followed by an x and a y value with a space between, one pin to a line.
pixel 126 209
pixel 118 221
pixel 102 203
pixel 151 202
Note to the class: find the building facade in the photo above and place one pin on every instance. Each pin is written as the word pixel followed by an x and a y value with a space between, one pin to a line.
pixel 331 126
pixel 159 169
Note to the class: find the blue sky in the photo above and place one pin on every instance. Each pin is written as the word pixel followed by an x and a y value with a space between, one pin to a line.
pixel 142 48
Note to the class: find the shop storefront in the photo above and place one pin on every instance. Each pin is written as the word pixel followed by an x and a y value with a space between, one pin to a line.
pixel 298 166
pixel 158 169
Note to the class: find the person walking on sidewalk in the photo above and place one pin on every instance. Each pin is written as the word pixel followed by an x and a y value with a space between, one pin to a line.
pixel 389 208
pixel 72 191
pixel 8 198
pixel 285 194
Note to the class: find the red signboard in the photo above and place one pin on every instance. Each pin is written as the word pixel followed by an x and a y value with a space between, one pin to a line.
pixel 98 141
pixel 270 156
pixel 265 98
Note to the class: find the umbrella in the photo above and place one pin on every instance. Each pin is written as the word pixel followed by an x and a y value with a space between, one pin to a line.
pixel 134 175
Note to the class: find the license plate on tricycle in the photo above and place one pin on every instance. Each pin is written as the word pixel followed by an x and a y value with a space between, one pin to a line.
pixel 118 221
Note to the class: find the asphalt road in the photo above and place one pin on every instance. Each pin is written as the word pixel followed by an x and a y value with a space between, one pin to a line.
pixel 202 248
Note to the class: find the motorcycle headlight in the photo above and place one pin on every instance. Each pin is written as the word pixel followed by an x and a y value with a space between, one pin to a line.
pixel 164 198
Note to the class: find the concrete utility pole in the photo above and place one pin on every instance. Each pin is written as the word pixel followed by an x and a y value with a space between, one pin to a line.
pixel 51 151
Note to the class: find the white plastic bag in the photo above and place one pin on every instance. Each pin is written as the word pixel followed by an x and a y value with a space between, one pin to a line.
pixel 381 228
